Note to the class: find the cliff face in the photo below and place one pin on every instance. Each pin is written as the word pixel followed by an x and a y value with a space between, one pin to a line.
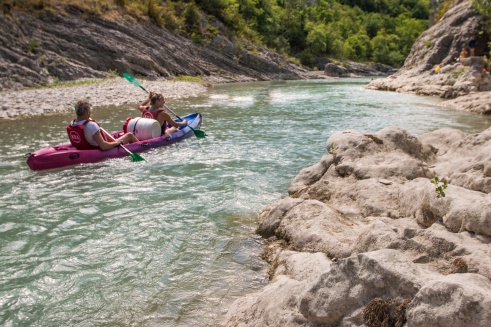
pixel 438 47
pixel 444 41
pixel 35 49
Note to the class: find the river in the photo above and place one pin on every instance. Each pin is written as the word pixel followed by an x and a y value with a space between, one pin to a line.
pixel 170 241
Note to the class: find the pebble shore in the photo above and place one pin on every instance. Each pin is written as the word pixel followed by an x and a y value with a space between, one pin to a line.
pixel 113 91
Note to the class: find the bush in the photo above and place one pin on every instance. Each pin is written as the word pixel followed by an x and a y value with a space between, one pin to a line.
pixel 121 3
pixel 306 58
pixel 171 21
pixel 192 19
pixel 154 12
pixel 33 45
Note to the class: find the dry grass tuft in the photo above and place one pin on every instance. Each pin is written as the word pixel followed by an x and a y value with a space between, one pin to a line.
pixel 459 266
pixel 109 9
pixel 382 313
pixel 377 313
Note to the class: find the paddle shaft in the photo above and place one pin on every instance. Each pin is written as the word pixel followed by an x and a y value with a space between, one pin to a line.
pixel 174 113
pixel 135 82
pixel 112 138
pixel 164 105
pixel 129 78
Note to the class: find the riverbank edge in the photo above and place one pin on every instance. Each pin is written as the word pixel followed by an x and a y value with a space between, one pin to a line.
pixel 114 90
pixel 26 103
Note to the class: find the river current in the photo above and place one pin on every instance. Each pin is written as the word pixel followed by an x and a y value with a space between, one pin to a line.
pixel 170 241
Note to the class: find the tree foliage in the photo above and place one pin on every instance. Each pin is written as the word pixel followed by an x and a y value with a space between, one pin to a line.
pixel 361 30
pixel 483 7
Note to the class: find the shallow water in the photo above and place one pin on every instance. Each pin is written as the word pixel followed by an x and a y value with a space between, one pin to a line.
pixel 170 241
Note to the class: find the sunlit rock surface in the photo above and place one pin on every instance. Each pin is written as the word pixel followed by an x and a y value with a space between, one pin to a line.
pixel 366 224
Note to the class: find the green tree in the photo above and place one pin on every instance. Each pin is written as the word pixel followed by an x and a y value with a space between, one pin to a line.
pixel 192 19
pixel 381 48
pixel 483 7
pixel 380 30
pixel 420 10
pixel 372 23
pixel 292 24
pixel 317 38
pixel 408 29
pixel 359 47
pixel 385 49
pixel 323 11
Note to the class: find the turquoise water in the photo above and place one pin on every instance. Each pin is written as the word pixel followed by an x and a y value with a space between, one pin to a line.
pixel 170 241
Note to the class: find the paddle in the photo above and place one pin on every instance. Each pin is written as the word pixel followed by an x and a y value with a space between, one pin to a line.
pixel 134 156
pixel 198 133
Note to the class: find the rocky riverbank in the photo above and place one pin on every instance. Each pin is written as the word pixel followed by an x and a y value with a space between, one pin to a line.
pixel 431 67
pixel 365 238
pixel 100 92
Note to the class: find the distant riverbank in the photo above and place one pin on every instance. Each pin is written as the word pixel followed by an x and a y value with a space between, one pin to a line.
pixel 100 92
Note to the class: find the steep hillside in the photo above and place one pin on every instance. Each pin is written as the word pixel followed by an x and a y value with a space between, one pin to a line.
pixel 220 40
pixel 35 49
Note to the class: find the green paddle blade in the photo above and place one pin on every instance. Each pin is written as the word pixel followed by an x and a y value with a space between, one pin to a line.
pixel 199 134
pixel 136 157
pixel 133 81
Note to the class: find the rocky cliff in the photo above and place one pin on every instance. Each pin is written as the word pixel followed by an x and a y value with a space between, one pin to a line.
pixel 37 48
pixel 431 68
pixel 366 239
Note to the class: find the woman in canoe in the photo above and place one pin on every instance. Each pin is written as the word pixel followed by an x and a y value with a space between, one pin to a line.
pixel 85 133
pixel 156 111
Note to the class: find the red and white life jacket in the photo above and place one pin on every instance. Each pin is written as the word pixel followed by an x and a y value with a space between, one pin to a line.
pixel 77 137
pixel 147 113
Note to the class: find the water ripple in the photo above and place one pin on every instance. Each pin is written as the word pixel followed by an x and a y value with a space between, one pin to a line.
pixel 170 241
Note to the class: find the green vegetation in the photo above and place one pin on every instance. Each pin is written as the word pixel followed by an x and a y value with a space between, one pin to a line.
pixel 57 83
pixel 484 7
pixel 113 72
pixel 458 71
pixel 154 12
pixel 305 30
pixel 440 186
pixel 359 30
pixel 186 78
pixel 442 6
pixel 33 44
pixel 333 151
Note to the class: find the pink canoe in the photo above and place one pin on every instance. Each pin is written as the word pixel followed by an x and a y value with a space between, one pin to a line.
pixel 66 155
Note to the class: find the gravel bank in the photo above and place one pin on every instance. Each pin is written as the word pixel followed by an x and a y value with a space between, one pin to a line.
pixel 114 91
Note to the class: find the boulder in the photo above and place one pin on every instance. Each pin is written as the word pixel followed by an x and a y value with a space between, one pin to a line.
pixel 335 71
pixel 458 300
pixel 364 235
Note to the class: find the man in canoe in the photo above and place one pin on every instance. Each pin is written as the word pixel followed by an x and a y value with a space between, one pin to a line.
pixel 156 111
pixel 85 133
